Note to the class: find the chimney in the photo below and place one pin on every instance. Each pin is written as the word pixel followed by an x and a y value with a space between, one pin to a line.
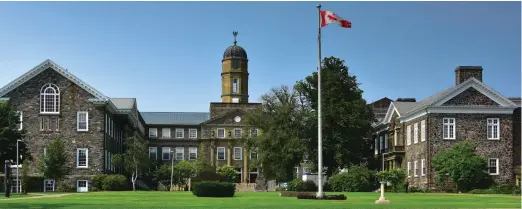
pixel 406 100
pixel 463 73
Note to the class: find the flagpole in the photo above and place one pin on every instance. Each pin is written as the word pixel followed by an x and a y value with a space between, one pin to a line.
pixel 320 193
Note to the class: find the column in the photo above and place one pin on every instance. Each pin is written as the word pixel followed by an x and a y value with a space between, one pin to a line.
pixel 229 155
pixel 212 150
pixel 246 170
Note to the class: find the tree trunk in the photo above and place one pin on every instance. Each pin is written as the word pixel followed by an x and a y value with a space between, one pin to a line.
pixel 133 179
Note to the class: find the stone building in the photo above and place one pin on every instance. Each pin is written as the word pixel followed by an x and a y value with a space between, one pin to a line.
pixel 54 103
pixel 469 110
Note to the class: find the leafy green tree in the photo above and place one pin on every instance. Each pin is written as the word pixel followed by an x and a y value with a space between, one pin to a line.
pixel 395 177
pixel 163 175
pixel 135 159
pixel 10 133
pixel 229 172
pixel 25 180
pixel 357 178
pixel 346 117
pixel 202 164
pixel 53 164
pixel 283 120
pixel 184 170
pixel 462 165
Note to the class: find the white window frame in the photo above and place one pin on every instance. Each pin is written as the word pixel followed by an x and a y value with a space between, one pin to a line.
pixel 447 124
pixel 78 150
pixel 21 118
pixel 415 133
pixel 224 153
pixel 165 133
pixel 240 132
pixel 423 130
pixel 57 123
pixel 155 151
pixel 494 127
pixel 497 169
pixel 395 140
pixel 53 185
pixel 252 131
pixel 163 153
pixel 179 150
pixel 423 166
pixel 153 132
pixel 45 123
pixel 408 135
pixel 409 168
pixel 193 150
pixel 415 173
pixel 240 151
pixel 182 131
pixel 235 100
pixel 193 133
pixel 53 96
pixel 224 133
pixel 376 145
pixel 78 114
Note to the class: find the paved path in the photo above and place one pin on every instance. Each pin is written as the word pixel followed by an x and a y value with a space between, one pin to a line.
pixel 37 196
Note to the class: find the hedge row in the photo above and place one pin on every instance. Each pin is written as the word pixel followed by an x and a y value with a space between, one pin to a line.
pixel 213 189
pixel 294 194
pixel 325 197
pixel 107 182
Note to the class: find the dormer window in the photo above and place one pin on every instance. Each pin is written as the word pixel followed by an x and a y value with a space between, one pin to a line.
pixel 50 99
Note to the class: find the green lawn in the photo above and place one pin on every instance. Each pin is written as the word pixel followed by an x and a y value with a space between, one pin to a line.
pixel 270 200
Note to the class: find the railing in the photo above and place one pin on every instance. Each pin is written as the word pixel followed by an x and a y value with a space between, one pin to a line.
pixel 398 148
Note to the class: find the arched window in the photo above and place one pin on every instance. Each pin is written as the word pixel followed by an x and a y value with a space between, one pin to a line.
pixel 50 99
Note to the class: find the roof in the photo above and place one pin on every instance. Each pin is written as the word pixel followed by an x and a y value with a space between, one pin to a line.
pixel 175 118
pixel 516 100
pixel 404 107
pixel 123 103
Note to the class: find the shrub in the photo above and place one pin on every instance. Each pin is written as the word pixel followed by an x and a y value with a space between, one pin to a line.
pixel 228 172
pixel 355 179
pixel 504 188
pixel 294 194
pixel 97 180
pixel 482 191
pixel 325 197
pixel 395 177
pixel 213 189
pixel 301 186
pixel 517 191
pixel 114 183
pixel 65 186
pixel 208 176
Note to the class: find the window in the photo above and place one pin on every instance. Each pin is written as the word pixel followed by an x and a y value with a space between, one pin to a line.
pixel 376 146
pixel 50 99
pixel 221 133
pixel 56 121
pixel 386 141
pixel 253 154
pixel 82 158
pixel 415 172
pixel 19 124
pixel 165 133
pixel 415 133
pixel 235 100
pixel 235 64
pixel 153 132
pixel 408 135
pixel 423 167
pixel 179 132
pixel 448 128
pixel 193 153
pixel 238 153
pixel 493 128
pixel 82 121
pixel 493 166
pixel 423 130
pixel 235 82
pixel 153 153
pixel 49 185
pixel 45 124
pixel 408 171
pixel 193 133
pixel 395 140
pixel 237 133
pixel 381 142
pixel 253 132
pixel 221 153
pixel 180 152
pixel 165 153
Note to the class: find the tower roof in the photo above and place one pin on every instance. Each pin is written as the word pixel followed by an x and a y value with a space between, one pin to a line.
pixel 235 51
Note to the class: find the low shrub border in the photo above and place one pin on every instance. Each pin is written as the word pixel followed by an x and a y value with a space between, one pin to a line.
pixel 325 197
pixel 294 194
pixel 213 189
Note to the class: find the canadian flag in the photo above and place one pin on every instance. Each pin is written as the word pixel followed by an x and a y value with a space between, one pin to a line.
pixel 328 17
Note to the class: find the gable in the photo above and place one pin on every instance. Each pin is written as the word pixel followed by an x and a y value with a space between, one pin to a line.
pixel 391 111
pixel 49 66
pixel 470 96
pixel 228 118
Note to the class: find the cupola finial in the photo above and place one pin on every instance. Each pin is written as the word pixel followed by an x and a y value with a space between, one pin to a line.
pixel 235 36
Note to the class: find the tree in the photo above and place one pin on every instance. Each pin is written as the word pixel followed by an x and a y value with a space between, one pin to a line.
pixel 163 175
pixel 346 117
pixel 283 121
pixel 184 171
pixel 229 172
pixel 202 164
pixel 54 164
pixel 135 159
pixel 395 177
pixel 25 180
pixel 462 165
pixel 10 133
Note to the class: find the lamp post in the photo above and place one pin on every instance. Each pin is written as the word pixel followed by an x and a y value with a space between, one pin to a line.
pixel 17 167
pixel 171 169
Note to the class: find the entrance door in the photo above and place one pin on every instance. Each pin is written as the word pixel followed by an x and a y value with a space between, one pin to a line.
pixel 82 186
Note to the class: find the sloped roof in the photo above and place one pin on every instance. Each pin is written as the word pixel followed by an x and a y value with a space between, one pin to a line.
pixel 44 66
pixel 175 118
pixel 123 103
pixel 404 107
pixel 516 100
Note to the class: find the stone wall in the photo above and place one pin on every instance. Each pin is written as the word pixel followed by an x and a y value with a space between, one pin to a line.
pixel 463 73
pixel 415 152
pixel 218 109
pixel 470 97
pixel 473 128
pixel 72 99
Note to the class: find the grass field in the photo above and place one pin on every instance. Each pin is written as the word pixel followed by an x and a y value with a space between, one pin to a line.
pixel 113 200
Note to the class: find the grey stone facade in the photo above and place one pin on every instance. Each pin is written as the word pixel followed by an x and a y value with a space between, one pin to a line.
pixel 470 97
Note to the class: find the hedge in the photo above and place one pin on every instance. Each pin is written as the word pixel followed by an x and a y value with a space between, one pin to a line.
pixel 325 197
pixel 301 186
pixel 213 189
pixel 294 194
pixel 114 183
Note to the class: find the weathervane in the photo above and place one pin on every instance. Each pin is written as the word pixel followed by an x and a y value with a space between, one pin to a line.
pixel 235 36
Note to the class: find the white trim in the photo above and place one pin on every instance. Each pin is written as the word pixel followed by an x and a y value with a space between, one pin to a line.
pixel 240 153
pixel 193 129
pixel 163 135
pixel 472 110
pixel 151 130
pixel 395 139
pixel 21 120
pixel 45 185
pixel 423 166
pixel 410 117
pixel 494 126
pixel 257 132
pixel 155 152
pixel 497 166
pixel 163 153
pixel 78 186
pixel 224 153
pixel 389 113
pixel 78 157
pixel 408 135
pixel 480 87
pixel 415 173
pixel 224 133
pixel 193 150
pixel 423 130
pixel 55 99
pixel 449 124
pixel 177 151
pixel 180 130
pixel 408 174
pixel 78 121
pixel 415 133
pixel 240 132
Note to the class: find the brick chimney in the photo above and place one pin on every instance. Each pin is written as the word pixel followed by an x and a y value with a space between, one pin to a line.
pixel 463 73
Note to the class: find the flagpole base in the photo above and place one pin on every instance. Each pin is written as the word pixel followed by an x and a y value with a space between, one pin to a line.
pixel 382 200
pixel 319 195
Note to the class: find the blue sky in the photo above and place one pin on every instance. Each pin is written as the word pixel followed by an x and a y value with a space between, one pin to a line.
pixel 168 54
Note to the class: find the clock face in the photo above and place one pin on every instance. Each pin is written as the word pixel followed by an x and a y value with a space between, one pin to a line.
pixel 237 119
